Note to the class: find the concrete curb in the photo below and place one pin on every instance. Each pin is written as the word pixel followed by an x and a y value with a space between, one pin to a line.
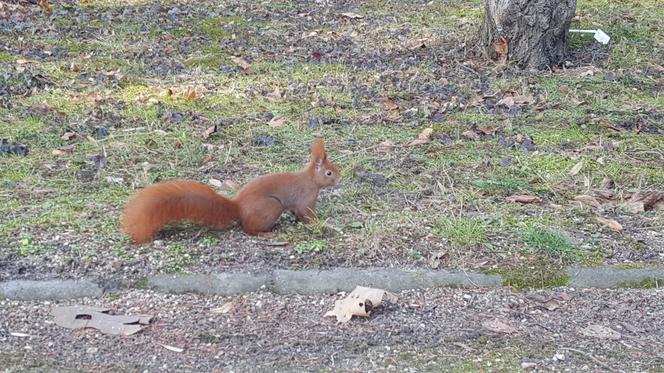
pixel 318 282
pixel 612 277
pixel 49 290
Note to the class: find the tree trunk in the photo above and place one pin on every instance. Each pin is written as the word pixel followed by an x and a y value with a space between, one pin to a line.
pixel 534 33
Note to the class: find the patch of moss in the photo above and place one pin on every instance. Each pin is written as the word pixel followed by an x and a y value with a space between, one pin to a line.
pixel 6 57
pixel 537 272
pixel 646 283
pixel 141 283
pixel 636 266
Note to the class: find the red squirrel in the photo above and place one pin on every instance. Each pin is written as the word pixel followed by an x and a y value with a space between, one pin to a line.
pixel 257 205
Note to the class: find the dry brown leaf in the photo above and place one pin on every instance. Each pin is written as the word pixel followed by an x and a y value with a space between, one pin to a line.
pixel 68 136
pixel 78 317
pixel 172 348
pixel 360 302
pixel 165 92
pixel 600 332
pixel 225 308
pixel 393 116
pixel 488 130
pixel 498 326
pixel 389 104
pixel 44 4
pixel 576 169
pixel 524 198
pixel 607 183
pixel 649 199
pixel 471 135
pixel 276 95
pixel 507 101
pixel 386 146
pixel 209 131
pixel 69 149
pixel 423 138
pixel 242 63
pixel 502 49
pixel 587 200
pixel 523 99
pixel 277 122
pixel 191 95
pixel 612 224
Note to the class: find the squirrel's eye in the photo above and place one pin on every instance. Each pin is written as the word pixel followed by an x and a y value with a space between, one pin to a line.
pixel 328 173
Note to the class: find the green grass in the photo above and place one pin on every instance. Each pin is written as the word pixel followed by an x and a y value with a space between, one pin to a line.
pixel 552 244
pixel 462 231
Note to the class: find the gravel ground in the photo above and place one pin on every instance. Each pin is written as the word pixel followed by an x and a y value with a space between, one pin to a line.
pixel 442 329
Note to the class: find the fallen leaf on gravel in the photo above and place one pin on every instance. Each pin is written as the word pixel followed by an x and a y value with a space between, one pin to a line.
pixel 172 348
pixel 524 198
pixel 208 132
pixel 612 224
pixel 79 317
pixel 587 200
pixel 600 332
pixel 352 15
pixel 225 308
pixel 576 169
pixel 360 302
pixel 470 135
pixel 386 146
pixel 423 138
pixel 498 326
pixel 277 122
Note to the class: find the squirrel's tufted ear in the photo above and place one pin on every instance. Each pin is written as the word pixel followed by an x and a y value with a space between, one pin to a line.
pixel 318 155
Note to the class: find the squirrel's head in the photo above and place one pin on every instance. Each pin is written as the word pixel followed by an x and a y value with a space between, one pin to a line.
pixel 325 173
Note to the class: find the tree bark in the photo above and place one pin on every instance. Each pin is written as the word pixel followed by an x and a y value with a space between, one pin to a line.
pixel 535 31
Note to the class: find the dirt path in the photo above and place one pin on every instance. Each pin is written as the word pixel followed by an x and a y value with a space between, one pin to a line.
pixel 444 329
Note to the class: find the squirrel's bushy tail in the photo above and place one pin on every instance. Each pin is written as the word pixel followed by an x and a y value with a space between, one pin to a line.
pixel 160 204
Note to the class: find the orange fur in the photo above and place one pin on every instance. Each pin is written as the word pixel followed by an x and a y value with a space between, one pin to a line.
pixel 257 206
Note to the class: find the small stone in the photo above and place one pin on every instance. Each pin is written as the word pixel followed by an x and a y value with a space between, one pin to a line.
pixel 263 140
pixel 92 350
pixel 558 357
pixel 467 297
pixel 528 365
